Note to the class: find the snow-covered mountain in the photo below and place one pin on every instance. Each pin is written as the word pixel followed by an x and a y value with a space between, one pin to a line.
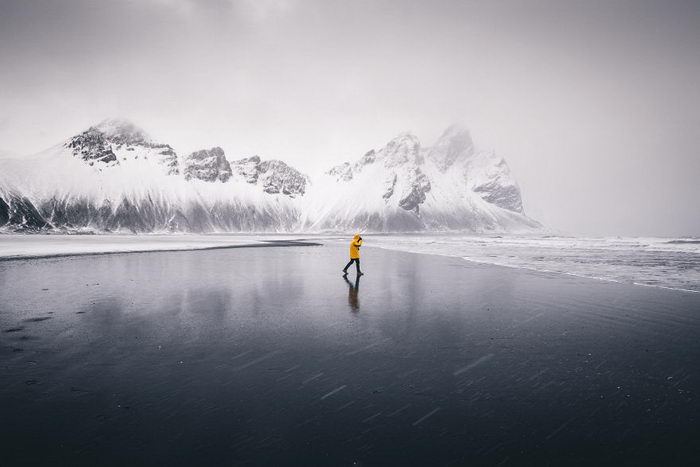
pixel 404 187
pixel 114 177
pixel 118 142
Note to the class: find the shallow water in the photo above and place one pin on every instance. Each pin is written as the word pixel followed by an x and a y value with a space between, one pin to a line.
pixel 268 356
pixel 660 262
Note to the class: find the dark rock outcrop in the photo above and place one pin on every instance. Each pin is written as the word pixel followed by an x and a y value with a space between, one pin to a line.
pixel 414 195
pixel 19 213
pixel 274 176
pixel 209 165
pixel 92 146
pixel 102 142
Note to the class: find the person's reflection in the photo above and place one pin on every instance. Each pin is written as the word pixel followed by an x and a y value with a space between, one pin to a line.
pixel 353 289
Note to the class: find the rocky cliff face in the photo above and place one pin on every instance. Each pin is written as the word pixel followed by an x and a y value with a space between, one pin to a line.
pixel 92 146
pixel 208 164
pixel 113 142
pixel 488 175
pixel 273 176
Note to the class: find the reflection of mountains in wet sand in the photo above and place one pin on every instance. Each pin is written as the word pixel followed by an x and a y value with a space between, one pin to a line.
pixel 257 355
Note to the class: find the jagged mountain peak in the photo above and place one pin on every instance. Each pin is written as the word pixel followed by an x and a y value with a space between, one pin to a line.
pixel 122 131
pixel 455 143
pixel 116 141
pixel 455 129
pixel 208 165
pixel 401 150
pixel 404 148
pixel 274 176
pixel 404 138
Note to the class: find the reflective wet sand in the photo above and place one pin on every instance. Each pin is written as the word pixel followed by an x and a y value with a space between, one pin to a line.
pixel 268 356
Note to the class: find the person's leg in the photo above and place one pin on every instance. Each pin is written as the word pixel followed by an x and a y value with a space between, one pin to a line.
pixel 357 263
pixel 345 269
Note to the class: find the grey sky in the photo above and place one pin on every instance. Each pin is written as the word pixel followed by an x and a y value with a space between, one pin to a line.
pixel 595 105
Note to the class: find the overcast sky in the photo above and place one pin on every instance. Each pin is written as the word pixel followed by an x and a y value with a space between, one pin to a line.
pixel 595 105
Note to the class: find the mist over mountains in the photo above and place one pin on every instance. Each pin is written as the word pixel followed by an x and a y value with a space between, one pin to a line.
pixel 113 177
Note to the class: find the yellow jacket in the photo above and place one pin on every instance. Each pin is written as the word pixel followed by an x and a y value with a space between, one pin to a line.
pixel 355 247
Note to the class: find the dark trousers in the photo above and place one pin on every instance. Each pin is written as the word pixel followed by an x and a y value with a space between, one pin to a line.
pixel 357 263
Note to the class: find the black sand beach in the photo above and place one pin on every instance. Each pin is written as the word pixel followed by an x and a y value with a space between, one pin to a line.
pixel 266 356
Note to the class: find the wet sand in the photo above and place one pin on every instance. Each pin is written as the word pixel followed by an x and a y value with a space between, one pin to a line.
pixel 267 356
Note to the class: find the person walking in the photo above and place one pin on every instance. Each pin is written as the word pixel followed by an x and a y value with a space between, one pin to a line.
pixel 354 255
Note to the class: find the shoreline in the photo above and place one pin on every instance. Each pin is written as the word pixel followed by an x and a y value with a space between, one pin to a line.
pixel 539 270
pixel 55 246
pixel 171 250
pixel 542 271
pixel 264 242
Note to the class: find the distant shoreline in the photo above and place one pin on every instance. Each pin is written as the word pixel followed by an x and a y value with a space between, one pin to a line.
pixel 266 244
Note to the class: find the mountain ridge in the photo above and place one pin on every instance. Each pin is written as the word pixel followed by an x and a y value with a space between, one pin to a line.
pixel 114 177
